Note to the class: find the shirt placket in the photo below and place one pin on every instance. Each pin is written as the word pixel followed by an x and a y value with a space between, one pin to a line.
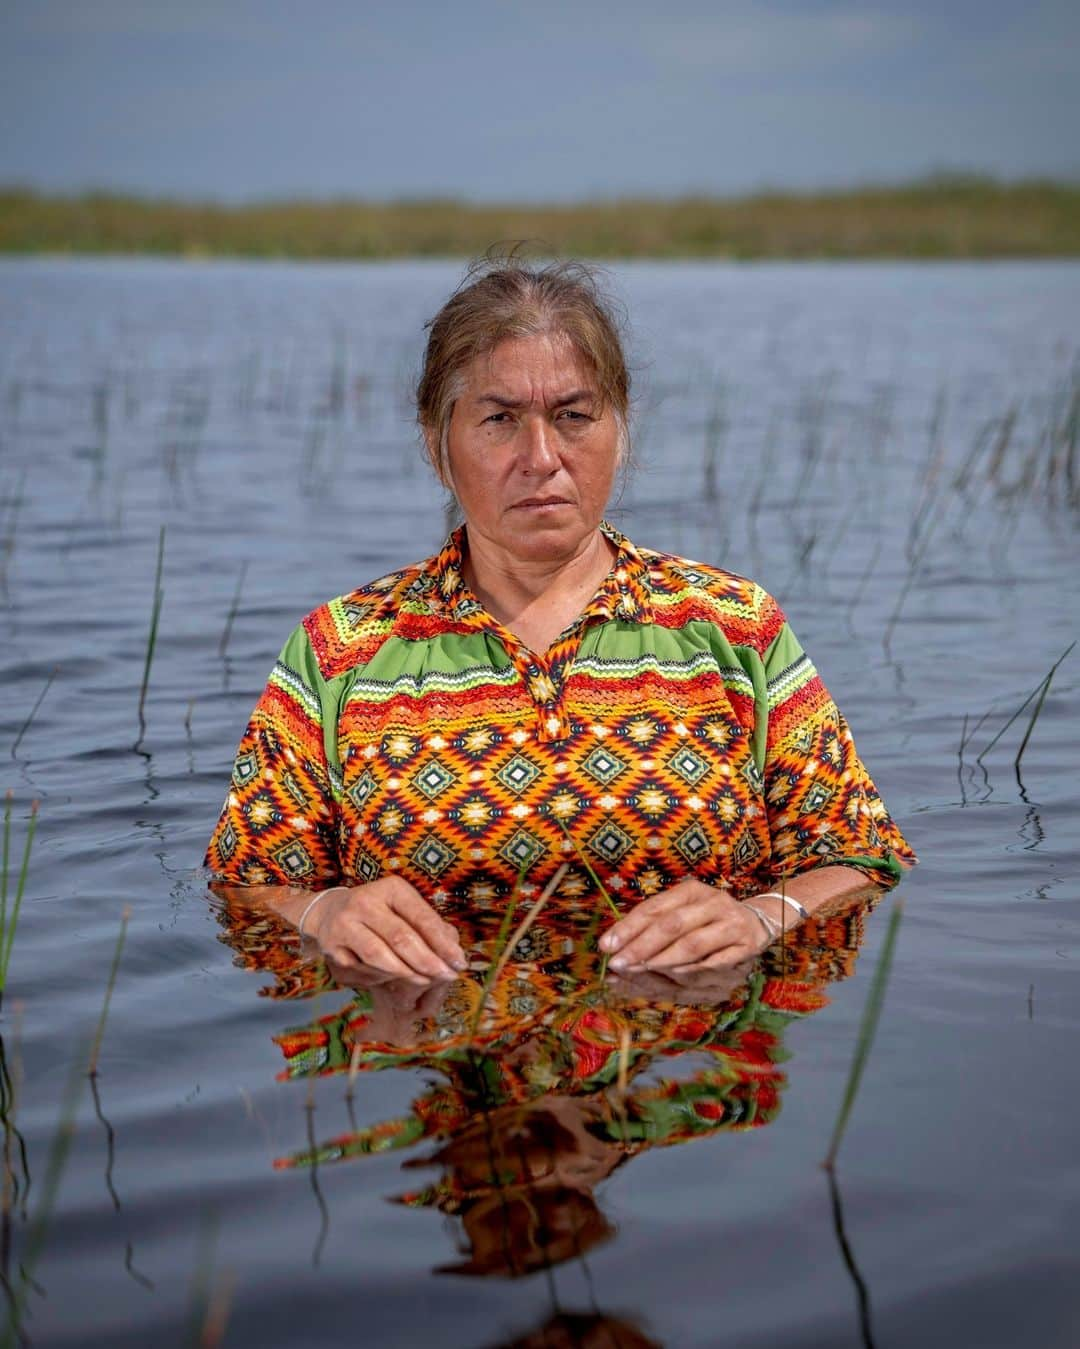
pixel 545 684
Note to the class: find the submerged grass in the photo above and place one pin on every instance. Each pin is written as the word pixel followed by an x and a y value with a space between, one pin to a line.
pixel 871 1012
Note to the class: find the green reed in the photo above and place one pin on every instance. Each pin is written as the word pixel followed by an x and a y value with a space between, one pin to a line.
pixel 1038 696
pixel 34 710
pixel 151 640
pixel 234 609
pixel 867 1029
pixel 9 922
pixel 592 874
pixel 505 945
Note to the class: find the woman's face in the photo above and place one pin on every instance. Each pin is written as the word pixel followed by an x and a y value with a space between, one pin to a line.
pixel 532 449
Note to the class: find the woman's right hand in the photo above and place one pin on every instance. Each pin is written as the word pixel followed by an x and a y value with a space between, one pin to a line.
pixel 387 927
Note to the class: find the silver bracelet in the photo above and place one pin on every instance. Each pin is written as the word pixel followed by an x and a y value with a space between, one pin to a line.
pixel 771 931
pixel 794 903
pixel 311 905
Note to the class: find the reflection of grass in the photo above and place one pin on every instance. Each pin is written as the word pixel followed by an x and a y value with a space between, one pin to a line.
pixel 8 923
pixel 39 1224
pixel 110 985
pixel 958 217
pixel 871 1012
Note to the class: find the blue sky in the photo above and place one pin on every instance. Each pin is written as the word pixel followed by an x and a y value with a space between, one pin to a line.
pixel 553 100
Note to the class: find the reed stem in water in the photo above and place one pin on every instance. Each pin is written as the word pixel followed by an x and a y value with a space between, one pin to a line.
pixel 867 1029
pixel 100 1033
pixel 1039 692
pixel 151 640
pixel 592 874
pixel 33 711
pixel 8 923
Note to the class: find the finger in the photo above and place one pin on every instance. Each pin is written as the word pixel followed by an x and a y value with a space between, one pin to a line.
pixel 664 929
pixel 673 900
pixel 696 946
pixel 439 935
pixel 638 919
pixel 410 946
pixel 372 948
pixel 636 923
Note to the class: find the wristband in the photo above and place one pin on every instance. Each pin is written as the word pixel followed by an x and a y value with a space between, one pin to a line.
pixel 772 928
pixel 787 899
pixel 303 917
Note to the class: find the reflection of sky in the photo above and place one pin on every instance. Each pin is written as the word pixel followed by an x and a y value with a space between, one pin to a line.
pixel 490 99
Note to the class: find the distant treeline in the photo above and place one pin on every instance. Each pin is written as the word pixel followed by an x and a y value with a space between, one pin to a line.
pixel 938 218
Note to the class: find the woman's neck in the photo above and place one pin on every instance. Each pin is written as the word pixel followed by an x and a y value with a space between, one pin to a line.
pixel 536 599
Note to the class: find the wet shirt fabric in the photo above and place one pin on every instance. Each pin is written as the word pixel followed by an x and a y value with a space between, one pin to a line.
pixel 675 729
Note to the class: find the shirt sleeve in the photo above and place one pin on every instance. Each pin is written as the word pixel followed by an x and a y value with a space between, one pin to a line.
pixel 279 821
pixel 823 807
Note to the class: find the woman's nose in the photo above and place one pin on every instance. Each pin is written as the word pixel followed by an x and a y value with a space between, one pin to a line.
pixel 539 454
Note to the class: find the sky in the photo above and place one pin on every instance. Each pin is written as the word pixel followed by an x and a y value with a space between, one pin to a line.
pixel 553 100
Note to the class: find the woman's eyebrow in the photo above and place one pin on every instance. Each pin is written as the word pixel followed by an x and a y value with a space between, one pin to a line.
pixel 500 400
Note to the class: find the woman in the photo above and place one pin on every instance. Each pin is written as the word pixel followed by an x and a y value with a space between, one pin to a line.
pixel 542 691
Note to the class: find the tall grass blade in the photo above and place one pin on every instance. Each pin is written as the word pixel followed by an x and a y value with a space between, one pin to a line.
pixel 1039 689
pixel 1035 714
pixel 871 1012
pixel 501 938
pixel 151 640
pixel 234 609
pixel 33 711
pixel 511 942
pixel 100 1033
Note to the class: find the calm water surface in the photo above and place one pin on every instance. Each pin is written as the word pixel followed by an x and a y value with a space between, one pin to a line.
pixel 889 449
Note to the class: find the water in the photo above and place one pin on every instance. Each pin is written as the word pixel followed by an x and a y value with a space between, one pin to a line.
pixel 808 425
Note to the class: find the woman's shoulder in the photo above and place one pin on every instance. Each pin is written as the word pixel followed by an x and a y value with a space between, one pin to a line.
pixel 685 591
pixel 347 631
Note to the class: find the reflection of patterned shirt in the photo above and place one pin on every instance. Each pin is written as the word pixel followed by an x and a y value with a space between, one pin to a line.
pixel 675 728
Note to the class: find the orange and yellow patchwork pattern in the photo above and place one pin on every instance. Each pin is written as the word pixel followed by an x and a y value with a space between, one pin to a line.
pixel 676 729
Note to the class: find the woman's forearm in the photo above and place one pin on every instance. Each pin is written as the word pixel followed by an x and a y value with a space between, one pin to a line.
pixel 814 890
pixel 287 901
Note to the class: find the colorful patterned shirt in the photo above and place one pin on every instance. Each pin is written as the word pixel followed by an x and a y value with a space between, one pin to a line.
pixel 675 729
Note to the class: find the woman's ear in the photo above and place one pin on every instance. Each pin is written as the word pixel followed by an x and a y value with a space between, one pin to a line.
pixel 434 453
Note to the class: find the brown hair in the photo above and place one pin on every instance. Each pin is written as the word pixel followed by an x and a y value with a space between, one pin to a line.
pixel 505 298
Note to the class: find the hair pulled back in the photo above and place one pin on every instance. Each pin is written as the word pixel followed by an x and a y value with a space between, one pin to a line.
pixel 505 298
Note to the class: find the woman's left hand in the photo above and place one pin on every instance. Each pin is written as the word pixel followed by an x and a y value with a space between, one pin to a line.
pixel 692 925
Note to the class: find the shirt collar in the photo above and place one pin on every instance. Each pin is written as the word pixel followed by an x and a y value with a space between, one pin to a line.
pixel 625 593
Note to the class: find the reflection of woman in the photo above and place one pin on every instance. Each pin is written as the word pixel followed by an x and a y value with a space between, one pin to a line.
pixel 538 1091
pixel 540 691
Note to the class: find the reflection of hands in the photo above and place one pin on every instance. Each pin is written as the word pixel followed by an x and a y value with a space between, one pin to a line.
pixel 690 926
pixel 399 1008
pixel 706 987
pixel 386 928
